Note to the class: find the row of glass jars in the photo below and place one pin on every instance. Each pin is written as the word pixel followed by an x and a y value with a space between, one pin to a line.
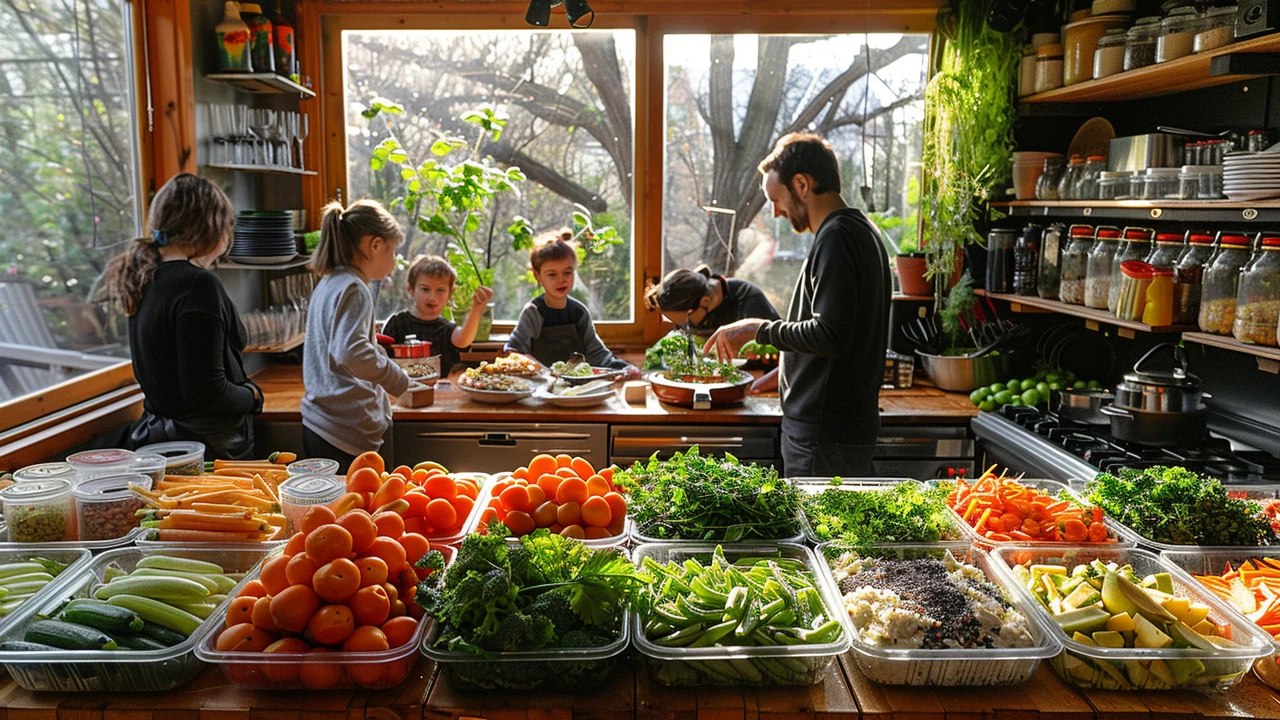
pixel 1089 179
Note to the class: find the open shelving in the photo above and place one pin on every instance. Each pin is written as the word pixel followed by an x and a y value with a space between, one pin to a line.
pixel 1268 357
pixel 273 169
pixel 1255 212
pixel 297 262
pixel 1019 303
pixel 286 346
pixel 261 84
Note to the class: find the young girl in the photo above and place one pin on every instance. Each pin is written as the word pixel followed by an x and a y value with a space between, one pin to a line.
pixel 185 336
pixel 346 409
pixel 553 325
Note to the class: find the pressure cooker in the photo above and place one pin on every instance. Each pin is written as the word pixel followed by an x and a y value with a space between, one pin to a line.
pixel 1159 404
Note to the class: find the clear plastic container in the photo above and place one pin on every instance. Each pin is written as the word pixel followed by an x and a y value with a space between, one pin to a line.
pixel 472 523
pixel 40 511
pixel 313 466
pixel 183 457
pixel 817 486
pixel 1258 297
pixel 118 670
pixel 46 471
pixel 100 463
pixel 1050 176
pixel 1075 264
pixel 1082 665
pixel 299 494
pixel 149 464
pixel 1070 176
pixel 1117 534
pixel 743 665
pixel 958 667
pixel 1140 43
pixel 106 508
pixel 1217 28
pixel 1213 561
pixel 1211 183
pixel 1189 183
pixel 1188 274
pixel 1114 184
pixel 1221 283
pixel 1177 34
pixel 1098 269
pixel 1135 246
pixel 75 559
pixel 313 671
pixel 1086 187
pixel 1160 183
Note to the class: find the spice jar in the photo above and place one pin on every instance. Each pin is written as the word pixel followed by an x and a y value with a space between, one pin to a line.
pixel 1258 299
pixel 1026 260
pixel 46 471
pixel 1050 176
pixel 106 508
pixel 1098 271
pixel 1221 282
pixel 1135 246
pixel 39 511
pixel 1188 274
pixel 1075 264
pixel 1140 43
pixel 1258 140
pixel 1067 186
pixel 1160 182
pixel 1086 187
pixel 1114 184
pixel 298 494
pixel 98 463
pixel 1027 71
pixel 1000 242
pixel 182 457
pixel 1108 58
pixel 1049 276
pixel 1189 182
pixel 1048 67
pixel 1177 34
pixel 1217 28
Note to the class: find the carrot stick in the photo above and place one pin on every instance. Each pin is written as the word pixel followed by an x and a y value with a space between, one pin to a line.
pixel 183 535
pixel 212 522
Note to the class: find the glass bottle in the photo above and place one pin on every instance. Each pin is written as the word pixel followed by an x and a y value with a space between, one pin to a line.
pixel 1026 260
pixel 1258 298
pixel 1167 249
pixel 1086 187
pixel 1049 277
pixel 1188 274
pixel 233 40
pixel 1047 184
pixel 1066 187
pixel 1136 246
pixel 1075 264
pixel 260 37
pixel 282 42
pixel 1000 242
pixel 1098 271
pixel 1221 283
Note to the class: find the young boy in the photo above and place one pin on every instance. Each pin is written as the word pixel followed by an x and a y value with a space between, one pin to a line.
pixel 553 325
pixel 431 281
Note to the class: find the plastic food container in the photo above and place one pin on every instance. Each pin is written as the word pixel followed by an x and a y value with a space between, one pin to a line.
pixel 73 557
pixel 183 457
pixel 149 464
pixel 472 523
pixel 46 471
pixel 952 667
pixel 298 494
pixel 1213 561
pixel 1123 536
pixel 774 665
pixel 98 463
pixel 1081 665
pixel 116 670
pixel 313 466
pixel 106 508
pixel 318 671
pixel 40 511
pixel 816 486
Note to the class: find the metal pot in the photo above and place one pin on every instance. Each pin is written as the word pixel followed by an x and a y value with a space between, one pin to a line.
pixel 1084 406
pixel 1157 390
pixel 1158 429
pixel 699 396
pixel 965 374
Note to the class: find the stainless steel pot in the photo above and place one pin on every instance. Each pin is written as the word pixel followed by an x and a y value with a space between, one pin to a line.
pixel 1084 406
pixel 1156 428
pixel 964 374
pixel 1153 389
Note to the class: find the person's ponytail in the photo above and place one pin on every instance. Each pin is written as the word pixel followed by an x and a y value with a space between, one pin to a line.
pixel 129 272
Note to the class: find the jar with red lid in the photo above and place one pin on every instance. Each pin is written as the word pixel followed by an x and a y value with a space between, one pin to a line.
pixel 1188 274
pixel 1136 245
pixel 1258 297
pixel 1222 281
pixel 1167 249
pixel 1098 272
pixel 1075 264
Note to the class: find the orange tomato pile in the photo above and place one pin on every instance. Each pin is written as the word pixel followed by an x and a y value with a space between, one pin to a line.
pixel 564 494
pixel 433 503
pixel 342 584
pixel 1002 509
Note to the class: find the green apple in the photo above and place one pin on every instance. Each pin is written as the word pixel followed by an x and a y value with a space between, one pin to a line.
pixel 1148 635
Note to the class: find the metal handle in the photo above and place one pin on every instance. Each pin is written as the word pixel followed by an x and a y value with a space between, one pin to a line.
pixel 701 399
pixel 1179 358
pixel 1113 411
pixel 561 451
pixel 477 435
pixel 1183 131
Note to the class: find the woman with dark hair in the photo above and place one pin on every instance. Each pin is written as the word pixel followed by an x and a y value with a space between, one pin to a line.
pixel 185 336
pixel 708 302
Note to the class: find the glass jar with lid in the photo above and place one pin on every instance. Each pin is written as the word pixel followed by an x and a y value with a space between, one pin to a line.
pixel 1067 186
pixel 1086 186
pixel 1098 271
pixel 1189 182
pixel 1160 183
pixel 1114 184
pixel 1050 276
pixel 1217 28
pixel 1177 34
pixel 1048 67
pixel 1074 265
pixel 1258 297
pixel 1136 245
pixel 1108 57
pixel 1000 244
pixel 1050 176
pixel 1211 183
pixel 1221 281
pixel 1188 274
pixel 1167 249
pixel 1140 43
pixel 1026 260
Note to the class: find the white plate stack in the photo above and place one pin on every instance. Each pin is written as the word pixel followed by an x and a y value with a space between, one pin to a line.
pixel 1251 176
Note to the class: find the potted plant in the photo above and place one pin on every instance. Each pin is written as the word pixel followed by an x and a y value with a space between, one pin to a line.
pixel 912 266
pixel 451 199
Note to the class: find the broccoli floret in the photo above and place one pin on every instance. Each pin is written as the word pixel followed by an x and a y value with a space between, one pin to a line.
pixel 523 571
pixel 496 585
pixel 519 631
pixel 555 607
pixel 478 553
pixel 433 560
pixel 581 639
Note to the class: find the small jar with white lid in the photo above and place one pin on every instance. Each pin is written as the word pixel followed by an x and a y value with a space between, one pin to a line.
pixel 106 508
pixel 46 471
pixel 40 511
pixel 1114 184
pixel 313 466
pixel 1217 28
pixel 98 463
pixel 1177 34
pixel 298 494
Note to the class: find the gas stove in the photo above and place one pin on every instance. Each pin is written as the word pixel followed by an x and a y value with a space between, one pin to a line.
pixel 1041 443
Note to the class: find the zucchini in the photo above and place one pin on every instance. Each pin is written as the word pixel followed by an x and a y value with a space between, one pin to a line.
pixel 21 568
pixel 68 636
pixel 10 580
pixel 103 616
pixel 207 582
pixel 164 562
pixel 137 642
pixel 157 588
pixel 161 634
pixel 200 610
pixel 24 646
pixel 159 613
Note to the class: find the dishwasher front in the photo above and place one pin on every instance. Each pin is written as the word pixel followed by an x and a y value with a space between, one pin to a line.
pixel 497 447
pixel 632 443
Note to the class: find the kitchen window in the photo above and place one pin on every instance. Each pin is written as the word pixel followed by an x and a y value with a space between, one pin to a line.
pixel 730 97
pixel 569 102
pixel 68 186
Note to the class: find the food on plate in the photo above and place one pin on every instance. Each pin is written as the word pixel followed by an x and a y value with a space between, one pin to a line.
pixel 694 497
pixel 1004 510
pixel 429 500
pixel 927 603
pixel 1176 506
pixel 672 348
pixel 904 513
pixel 477 379
pixel 1253 588
pixel 420 369
pixel 564 389
pixel 700 371
pixel 510 364
pixel 566 369
pixel 1106 605
pixel 564 494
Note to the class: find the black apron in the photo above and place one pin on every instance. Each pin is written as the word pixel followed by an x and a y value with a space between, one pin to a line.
pixel 557 343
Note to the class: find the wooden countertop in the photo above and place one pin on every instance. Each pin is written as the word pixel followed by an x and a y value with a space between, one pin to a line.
pixel 920 404
pixel 844 694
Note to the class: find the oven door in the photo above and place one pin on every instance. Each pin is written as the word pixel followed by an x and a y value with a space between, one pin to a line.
pixel 498 447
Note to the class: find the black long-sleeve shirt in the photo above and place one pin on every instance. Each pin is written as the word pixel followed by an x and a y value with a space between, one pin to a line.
pixel 741 300
pixel 186 340
pixel 834 337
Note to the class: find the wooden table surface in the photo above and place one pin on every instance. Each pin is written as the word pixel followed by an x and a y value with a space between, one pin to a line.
pixel 844 694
